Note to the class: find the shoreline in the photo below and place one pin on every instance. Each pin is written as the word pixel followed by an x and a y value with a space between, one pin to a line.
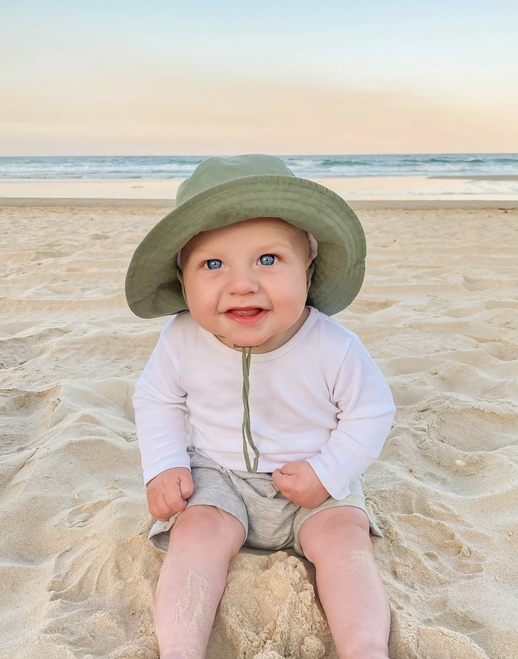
pixel 479 177
pixel 389 188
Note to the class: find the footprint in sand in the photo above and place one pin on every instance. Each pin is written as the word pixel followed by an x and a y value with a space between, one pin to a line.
pixel 463 312
pixel 16 469
pixel 437 545
pixel 25 415
pixel 19 350
pixel 469 429
pixel 411 640
pixel 42 255
pixel 440 643
pixel 365 305
pixel 501 304
pixel 81 515
pixel 480 284
pixel 502 350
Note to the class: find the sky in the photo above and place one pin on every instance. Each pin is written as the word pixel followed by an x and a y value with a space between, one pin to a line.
pixel 196 77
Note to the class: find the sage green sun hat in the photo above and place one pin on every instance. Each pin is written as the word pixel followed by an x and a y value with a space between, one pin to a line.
pixel 223 191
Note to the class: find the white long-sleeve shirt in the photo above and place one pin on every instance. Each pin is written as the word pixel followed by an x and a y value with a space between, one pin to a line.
pixel 320 397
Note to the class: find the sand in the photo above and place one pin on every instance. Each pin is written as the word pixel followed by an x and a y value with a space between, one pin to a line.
pixel 439 313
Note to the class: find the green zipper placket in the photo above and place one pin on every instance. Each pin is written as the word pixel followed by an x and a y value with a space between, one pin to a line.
pixel 246 358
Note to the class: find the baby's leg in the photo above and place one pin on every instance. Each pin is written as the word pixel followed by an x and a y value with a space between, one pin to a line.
pixel 192 579
pixel 349 583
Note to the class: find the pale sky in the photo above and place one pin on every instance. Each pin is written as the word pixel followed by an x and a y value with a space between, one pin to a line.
pixel 94 77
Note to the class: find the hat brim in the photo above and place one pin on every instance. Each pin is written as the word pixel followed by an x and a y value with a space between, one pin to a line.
pixel 152 285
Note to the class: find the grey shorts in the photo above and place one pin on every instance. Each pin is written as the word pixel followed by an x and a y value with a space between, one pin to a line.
pixel 270 520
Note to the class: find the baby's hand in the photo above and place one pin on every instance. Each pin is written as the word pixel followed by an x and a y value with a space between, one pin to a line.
pixel 168 492
pixel 299 483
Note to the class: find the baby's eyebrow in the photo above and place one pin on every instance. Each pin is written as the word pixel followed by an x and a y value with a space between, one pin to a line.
pixel 199 252
pixel 259 247
pixel 271 247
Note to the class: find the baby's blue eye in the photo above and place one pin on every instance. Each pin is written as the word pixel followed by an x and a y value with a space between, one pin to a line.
pixel 214 264
pixel 267 259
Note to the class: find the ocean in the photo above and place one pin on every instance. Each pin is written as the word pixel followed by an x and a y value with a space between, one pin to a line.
pixel 330 166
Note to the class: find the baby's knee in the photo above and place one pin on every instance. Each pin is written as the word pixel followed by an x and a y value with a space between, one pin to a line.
pixel 333 529
pixel 208 526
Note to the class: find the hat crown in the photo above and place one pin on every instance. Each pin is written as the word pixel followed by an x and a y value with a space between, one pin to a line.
pixel 216 170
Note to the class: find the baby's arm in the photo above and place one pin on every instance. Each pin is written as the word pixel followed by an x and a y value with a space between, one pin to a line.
pixel 365 406
pixel 365 413
pixel 160 411
pixel 300 484
pixel 168 492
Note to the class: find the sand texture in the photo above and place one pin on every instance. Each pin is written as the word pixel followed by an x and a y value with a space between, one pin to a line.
pixel 439 312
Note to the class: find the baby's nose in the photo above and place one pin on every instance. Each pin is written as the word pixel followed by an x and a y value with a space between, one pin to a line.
pixel 243 280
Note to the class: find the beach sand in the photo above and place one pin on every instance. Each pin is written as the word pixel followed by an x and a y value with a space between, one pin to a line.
pixel 439 313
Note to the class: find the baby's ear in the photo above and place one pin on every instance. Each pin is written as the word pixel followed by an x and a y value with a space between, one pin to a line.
pixel 310 271
pixel 179 274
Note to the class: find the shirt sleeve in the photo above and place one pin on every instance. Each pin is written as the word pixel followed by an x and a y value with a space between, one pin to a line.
pixel 160 411
pixel 364 420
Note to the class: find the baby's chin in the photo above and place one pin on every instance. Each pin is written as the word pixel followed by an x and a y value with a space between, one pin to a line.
pixel 243 337
pixel 238 343
pixel 259 344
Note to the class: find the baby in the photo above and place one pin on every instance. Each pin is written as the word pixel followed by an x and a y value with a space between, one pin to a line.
pixel 285 408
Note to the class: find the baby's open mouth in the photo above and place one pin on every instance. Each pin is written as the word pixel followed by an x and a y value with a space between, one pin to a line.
pixel 244 312
pixel 246 316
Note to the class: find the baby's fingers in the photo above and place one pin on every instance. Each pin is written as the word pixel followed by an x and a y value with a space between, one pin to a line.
pixel 174 501
pixel 161 509
pixel 283 482
pixel 186 486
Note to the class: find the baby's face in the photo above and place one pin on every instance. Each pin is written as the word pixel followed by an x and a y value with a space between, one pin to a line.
pixel 247 283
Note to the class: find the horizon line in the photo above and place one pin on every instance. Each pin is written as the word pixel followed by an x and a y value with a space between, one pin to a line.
pixel 280 155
